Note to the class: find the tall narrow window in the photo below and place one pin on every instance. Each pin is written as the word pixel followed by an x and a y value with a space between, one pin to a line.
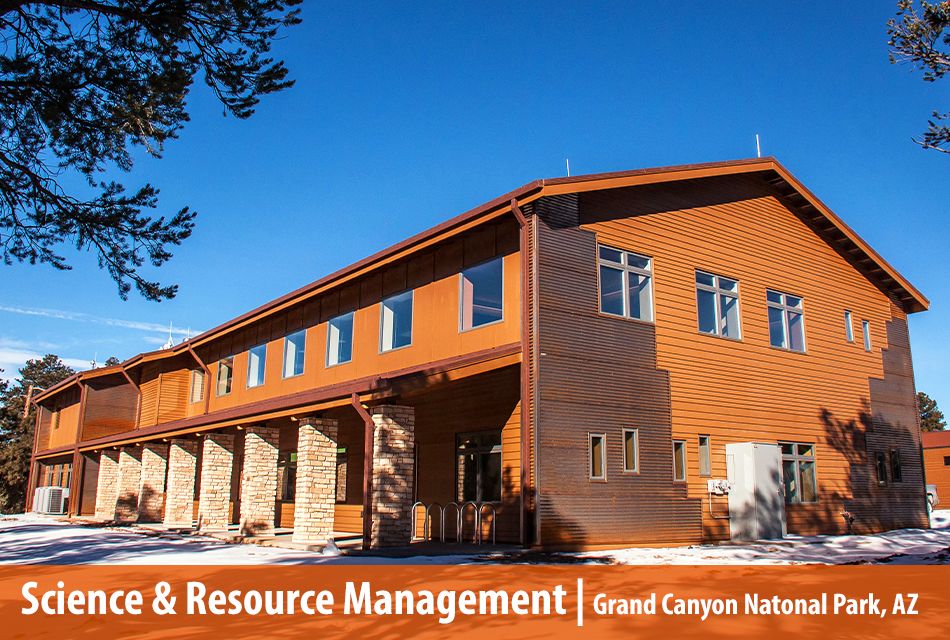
pixel 287 476
pixel 798 472
pixel 786 321
pixel 396 322
pixel 880 464
pixel 705 463
pixel 848 326
pixel 631 450
pixel 478 471
pixel 866 328
pixel 482 290
pixel 341 471
pixel 256 357
pixel 340 339
pixel 626 284
pixel 294 348
pixel 897 473
pixel 679 460
pixel 597 443
pixel 717 305
pixel 225 371
pixel 197 385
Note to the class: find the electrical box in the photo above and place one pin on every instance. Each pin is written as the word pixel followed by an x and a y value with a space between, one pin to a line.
pixel 756 498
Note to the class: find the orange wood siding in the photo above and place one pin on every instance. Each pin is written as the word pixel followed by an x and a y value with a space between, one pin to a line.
pixel 938 472
pixel 745 390
pixel 64 419
pixel 111 404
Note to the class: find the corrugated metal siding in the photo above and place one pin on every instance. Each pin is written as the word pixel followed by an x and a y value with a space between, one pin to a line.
pixel 110 407
pixel 599 375
pixel 174 395
pixel 736 391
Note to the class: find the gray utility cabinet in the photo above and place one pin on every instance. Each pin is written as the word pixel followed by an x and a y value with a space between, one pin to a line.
pixel 756 500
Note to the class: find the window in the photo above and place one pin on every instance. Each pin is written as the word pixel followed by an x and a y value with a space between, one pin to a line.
pixel 897 474
pixel 287 476
pixel 866 328
pixel 626 284
pixel 478 474
pixel 341 470
pixel 798 472
pixel 848 326
pixel 786 321
pixel 294 347
pixel 197 386
pixel 880 465
pixel 225 371
pixel 705 463
pixel 717 305
pixel 679 460
pixel 631 450
pixel 340 339
pixel 54 421
pixel 396 322
pixel 256 357
pixel 946 461
pixel 598 455
pixel 481 294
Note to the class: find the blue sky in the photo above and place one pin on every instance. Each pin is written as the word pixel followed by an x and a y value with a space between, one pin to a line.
pixel 405 114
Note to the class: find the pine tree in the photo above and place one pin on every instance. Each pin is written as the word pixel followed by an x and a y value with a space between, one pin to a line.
pixel 931 417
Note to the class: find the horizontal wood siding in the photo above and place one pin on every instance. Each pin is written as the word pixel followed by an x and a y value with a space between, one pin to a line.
pixel 937 464
pixel 597 375
pixel 111 404
pixel 736 391
pixel 64 422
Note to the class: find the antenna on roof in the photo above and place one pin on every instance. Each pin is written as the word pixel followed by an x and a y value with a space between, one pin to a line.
pixel 171 341
pixel 567 161
pixel 758 147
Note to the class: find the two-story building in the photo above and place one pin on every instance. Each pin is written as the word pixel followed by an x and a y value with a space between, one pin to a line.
pixel 578 361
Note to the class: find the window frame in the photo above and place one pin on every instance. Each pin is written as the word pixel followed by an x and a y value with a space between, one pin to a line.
pixel 217 377
pixel 866 333
pixel 679 441
pixel 590 456
pixel 787 310
pixel 352 333
pixel 896 466
pixel 705 454
pixel 461 327
pixel 263 366
pixel 479 450
pixel 881 468
pixel 625 270
pixel 303 357
pixel 848 325
pixel 799 458
pixel 196 374
pixel 635 469
pixel 718 293
pixel 412 324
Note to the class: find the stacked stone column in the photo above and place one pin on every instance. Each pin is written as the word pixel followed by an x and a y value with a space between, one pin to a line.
pixel 152 487
pixel 315 491
pixel 180 496
pixel 259 480
pixel 129 482
pixel 393 470
pixel 217 458
pixel 107 488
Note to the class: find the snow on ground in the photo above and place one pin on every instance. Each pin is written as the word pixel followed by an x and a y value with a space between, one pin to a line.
pixel 35 539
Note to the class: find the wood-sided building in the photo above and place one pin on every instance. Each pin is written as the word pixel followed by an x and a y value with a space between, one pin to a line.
pixel 579 361
pixel 937 462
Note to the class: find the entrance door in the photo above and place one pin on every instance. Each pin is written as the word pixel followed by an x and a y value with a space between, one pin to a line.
pixel 756 500
pixel 90 484
pixel 770 501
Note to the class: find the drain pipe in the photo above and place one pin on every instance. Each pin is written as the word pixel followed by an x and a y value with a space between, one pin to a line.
pixel 368 427
pixel 525 373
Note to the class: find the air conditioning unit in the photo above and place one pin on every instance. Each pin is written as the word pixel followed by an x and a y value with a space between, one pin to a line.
pixel 49 500
pixel 719 487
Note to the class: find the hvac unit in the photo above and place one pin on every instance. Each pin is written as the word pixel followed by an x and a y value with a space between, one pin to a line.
pixel 50 500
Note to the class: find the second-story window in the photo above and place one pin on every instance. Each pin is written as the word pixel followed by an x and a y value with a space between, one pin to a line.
pixel 197 385
pixel 340 339
pixel 786 321
pixel 294 347
pixel 396 322
pixel 866 329
pixel 480 298
pixel 717 305
pixel 626 284
pixel 225 372
pixel 256 357
pixel 848 326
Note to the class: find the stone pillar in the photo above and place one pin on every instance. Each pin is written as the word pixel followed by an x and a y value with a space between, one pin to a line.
pixel 107 489
pixel 129 481
pixel 180 493
pixel 393 462
pixel 152 488
pixel 217 457
pixel 259 480
pixel 315 492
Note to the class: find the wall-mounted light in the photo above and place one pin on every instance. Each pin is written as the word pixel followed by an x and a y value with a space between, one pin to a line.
pixel 240 427
pixel 293 418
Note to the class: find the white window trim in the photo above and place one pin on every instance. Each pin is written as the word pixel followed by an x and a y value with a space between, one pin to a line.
pixel 217 378
pixel 636 450
pixel 625 270
pixel 685 458
pixel 699 451
pixel 786 309
pixel 866 333
pixel 849 325
pixel 718 293
pixel 263 366
pixel 412 321
pixel 352 332
pixel 196 374
pixel 590 456
pixel 461 296
pixel 303 368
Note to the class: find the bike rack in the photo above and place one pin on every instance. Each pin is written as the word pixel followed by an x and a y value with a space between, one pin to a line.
pixel 426 531
pixel 493 517
pixel 478 518
pixel 414 522
pixel 458 520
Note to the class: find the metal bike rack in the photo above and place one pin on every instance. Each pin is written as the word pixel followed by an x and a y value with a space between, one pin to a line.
pixel 414 523
pixel 458 520
pixel 426 530
pixel 486 505
pixel 478 517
